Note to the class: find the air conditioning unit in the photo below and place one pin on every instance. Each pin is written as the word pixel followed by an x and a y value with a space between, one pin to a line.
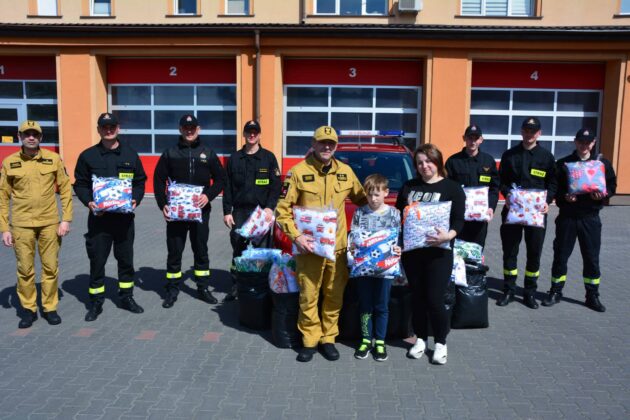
pixel 413 6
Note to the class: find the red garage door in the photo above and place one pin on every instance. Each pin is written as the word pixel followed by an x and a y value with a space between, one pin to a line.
pixel 349 94
pixel 150 95
pixel 28 90
pixel 564 96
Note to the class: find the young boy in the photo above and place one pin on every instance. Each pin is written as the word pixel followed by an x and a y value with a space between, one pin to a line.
pixel 374 291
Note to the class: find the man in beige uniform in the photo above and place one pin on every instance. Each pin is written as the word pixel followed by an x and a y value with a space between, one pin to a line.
pixel 319 181
pixel 29 179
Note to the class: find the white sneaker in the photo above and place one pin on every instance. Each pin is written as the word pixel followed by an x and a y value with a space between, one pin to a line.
pixel 439 354
pixel 417 350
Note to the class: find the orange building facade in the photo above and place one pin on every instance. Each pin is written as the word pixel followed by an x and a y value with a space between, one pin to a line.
pixel 296 65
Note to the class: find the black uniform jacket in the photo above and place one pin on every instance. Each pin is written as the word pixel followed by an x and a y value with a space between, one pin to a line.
pixel 584 204
pixel 189 163
pixel 252 180
pixel 531 169
pixel 121 162
pixel 475 171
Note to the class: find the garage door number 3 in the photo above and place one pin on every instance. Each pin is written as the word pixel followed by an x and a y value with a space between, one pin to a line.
pixel 352 72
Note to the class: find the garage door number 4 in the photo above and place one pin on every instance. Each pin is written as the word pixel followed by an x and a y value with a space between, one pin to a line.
pixel 534 75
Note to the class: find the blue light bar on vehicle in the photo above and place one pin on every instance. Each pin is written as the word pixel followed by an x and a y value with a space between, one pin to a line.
pixel 370 133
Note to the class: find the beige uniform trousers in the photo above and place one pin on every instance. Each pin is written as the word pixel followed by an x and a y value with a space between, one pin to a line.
pixel 316 273
pixel 48 243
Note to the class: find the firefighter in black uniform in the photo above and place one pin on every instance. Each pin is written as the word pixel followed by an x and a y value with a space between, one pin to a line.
pixel 579 219
pixel 253 179
pixel 526 165
pixel 473 168
pixel 188 162
pixel 109 158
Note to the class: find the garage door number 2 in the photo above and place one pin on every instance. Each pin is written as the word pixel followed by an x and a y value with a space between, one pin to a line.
pixel 172 71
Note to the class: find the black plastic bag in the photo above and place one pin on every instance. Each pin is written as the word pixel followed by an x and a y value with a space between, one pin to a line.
pixel 471 307
pixel 284 317
pixel 254 300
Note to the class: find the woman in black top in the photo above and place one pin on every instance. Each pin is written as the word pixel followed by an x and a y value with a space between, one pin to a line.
pixel 429 269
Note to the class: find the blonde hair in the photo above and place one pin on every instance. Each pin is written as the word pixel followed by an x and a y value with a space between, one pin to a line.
pixel 375 182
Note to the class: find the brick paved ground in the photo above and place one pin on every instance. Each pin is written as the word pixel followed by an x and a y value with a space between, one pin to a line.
pixel 195 361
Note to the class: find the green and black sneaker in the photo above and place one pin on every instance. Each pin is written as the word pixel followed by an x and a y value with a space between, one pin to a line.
pixel 380 352
pixel 364 349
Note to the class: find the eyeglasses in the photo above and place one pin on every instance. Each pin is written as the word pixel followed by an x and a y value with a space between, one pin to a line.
pixel 31 133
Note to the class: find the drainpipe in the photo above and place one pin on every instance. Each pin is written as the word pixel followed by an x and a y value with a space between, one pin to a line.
pixel 257 76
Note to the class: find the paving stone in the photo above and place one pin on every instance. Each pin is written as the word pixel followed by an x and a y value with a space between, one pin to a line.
pixel 195 361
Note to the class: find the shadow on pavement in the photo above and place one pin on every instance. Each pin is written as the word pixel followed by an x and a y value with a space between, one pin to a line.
pixel 221 282
pixel 79 285
pixel 151 280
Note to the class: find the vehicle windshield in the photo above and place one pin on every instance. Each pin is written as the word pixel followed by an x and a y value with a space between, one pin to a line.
pixel 396 167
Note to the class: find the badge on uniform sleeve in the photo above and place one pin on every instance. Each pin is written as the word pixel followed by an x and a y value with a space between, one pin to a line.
pixel 485 168
pixel 308 178
pixel 277 172
pixel 285 189
pixel 16 165
pixel 202 155
pixel 342 177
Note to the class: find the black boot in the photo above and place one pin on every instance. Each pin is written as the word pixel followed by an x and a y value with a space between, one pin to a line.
pixel 28 319
pixel 130 304
pixel 552 298
pixel 592 301
pixel 508 296
pixel 205 295
pixel 169 301
pixel 95 310
pixel 306 354
pixel 52 317
pixel 529 300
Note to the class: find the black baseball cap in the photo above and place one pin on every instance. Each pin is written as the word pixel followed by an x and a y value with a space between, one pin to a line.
pixel 252 125
pixel 585 134
pixel 473 130
pixel 107 119
pixel 188 120
pixel 531 123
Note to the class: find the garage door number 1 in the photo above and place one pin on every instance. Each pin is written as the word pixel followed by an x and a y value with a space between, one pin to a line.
pixel 2 70
pixel 172 71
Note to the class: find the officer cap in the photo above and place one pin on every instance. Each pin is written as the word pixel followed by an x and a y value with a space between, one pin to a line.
pixel 585 134
pixel 188 120
pixel 252 125
pixel 30 125
pixel 107 119
pixel 531 123
pixel 325 133
pixel 473 130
